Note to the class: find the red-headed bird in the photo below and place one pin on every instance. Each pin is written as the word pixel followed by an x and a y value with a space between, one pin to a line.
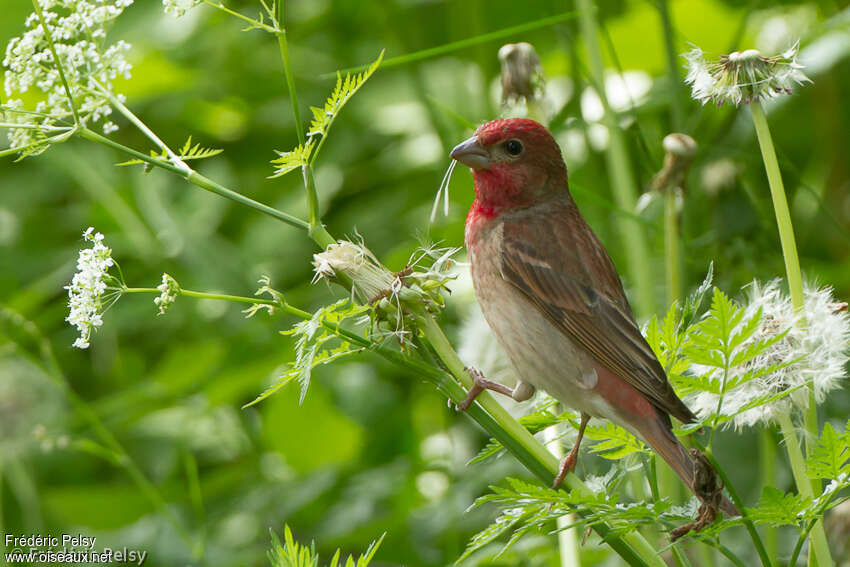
pixel 552 296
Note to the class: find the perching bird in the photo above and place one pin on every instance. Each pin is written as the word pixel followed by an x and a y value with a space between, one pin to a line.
pixel 554 301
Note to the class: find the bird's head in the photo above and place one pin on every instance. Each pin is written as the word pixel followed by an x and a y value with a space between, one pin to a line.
pixel 515 163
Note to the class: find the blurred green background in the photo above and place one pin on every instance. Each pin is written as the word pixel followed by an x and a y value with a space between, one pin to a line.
pixel 372 449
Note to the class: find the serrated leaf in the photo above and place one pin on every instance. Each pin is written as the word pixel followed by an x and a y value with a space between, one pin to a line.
pixel 187 152
pixel 614 441
pixel 777 508
pixel 290 553
pixel 829 458
pixel 295 158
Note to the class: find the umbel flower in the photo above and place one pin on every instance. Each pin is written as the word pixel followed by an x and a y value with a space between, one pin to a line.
pixel 78 30
pixel 812 353
pixel 743 76
pixel 168 291
pixel 179 8
pixel 88 286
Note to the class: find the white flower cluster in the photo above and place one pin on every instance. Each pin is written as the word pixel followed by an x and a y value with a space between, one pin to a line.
pixel 85 294
pixel 179 8
pixel 78 29
pixel 743 76
pixel 816 346
pixel 169 289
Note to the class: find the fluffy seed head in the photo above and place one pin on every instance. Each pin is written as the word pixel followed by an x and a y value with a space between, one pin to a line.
pixel 816 346
pixel 743 76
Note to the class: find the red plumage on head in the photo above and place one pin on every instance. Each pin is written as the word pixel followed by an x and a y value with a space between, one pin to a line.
pixel 516 184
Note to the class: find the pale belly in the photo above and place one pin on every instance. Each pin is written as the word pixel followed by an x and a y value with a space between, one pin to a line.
pixel 541 355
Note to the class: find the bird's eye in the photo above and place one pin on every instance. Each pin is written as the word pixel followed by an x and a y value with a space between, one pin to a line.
pixel 513 147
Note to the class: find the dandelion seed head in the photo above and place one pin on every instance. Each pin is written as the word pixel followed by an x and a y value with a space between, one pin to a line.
pixel 87 287
pixel 522 75
pixel 814 352
pixel 743 76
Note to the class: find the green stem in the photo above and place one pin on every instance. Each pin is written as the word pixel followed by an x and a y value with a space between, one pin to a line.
pixel 234 13
pixel 56 60
pixel 673 262
pixel 780 206
pixel 818 542
pixel 672 66
pixel 464 43
pixel 748 523
pixel 638 264
pixel 149 134
pixel 197 179
pixel 767 466
pixel 567 536
pixel 306 170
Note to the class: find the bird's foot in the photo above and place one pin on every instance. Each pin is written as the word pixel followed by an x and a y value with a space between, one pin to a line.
pixel 710 493
pixel 568 465
pixel 479 384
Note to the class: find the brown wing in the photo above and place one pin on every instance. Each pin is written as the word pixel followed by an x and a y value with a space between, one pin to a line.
pixel 574 282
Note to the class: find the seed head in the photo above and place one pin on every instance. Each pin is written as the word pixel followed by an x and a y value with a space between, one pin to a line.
pixel 743 76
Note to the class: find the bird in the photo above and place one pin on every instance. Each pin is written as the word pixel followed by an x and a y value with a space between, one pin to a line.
pixel 551 294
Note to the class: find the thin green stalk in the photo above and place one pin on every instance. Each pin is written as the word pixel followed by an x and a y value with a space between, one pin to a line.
pixel 748 523
pixel 767 466
pixel 672 65
pixel 638 264
pixel 149 134
pixel 235 14
pixel 56 60
pixel 464 43
pixel 197 179
pixel 672 255
pixel 801 539
pixel 567 536
pixel 306 170
pixel 818 543
pixel 780 206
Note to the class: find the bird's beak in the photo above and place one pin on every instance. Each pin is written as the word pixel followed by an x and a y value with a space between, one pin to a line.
pixel 471 154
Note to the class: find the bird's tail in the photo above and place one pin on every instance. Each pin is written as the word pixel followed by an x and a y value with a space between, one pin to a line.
pixel 699 477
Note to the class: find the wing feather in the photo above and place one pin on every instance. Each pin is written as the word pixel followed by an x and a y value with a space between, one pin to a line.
pixel 574 283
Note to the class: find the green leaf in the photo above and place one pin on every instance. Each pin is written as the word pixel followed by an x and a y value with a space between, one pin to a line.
pixel 292 554
pixel 323 118
pixel 292 160
pixel 615 442
pixel 310 350
pixel 829 459
pixel 186 153
pixel 777 508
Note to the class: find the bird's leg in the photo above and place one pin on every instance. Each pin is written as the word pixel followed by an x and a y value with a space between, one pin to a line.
pixel 568 463
pixel 520 393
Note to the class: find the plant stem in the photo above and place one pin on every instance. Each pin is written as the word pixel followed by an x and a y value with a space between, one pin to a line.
pixel 619 169
pixel 748 523
pixel 767 466
pixel 672 66
pixel 306 170
pixel 780 206
pixel 818 543
pixel 197 179
pixel 672 255
pixel 56 60
pixel 142 127
pixel 567 536
pixel 795 287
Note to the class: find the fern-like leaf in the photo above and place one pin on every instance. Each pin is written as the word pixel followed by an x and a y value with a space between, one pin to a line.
pixel 187 152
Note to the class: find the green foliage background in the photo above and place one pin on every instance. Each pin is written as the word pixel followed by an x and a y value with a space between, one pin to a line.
pixel 371 450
